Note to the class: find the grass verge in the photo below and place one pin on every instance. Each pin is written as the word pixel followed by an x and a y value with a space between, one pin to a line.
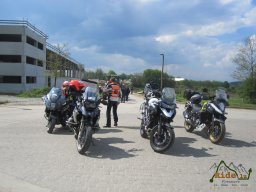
pixel 34 93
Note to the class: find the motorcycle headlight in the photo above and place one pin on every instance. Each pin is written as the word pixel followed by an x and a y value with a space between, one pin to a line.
pixel 90 105
pixel 53 97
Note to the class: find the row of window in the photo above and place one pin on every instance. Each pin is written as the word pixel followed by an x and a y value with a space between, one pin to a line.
pixel 17 38
pixel 16 79
pixel 17 59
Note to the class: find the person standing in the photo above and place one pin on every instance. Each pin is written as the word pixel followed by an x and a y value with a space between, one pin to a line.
pixel 114 94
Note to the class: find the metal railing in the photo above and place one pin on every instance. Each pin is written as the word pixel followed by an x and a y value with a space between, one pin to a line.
pixel 23 23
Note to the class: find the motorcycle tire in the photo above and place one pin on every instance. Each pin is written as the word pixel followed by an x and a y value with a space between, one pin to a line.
pixel 188 127
pixel 161 143
pixel 143 132
pixel 51 125
pixel 218 128
pixel 84 139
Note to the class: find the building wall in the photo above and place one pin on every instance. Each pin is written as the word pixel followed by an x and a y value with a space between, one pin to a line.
pixel 29 70
pixel 22 69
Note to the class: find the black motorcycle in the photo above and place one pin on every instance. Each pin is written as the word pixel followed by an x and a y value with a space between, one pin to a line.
pixel 57 108
pixel 157 112
pixel 209 117
pixel 85 118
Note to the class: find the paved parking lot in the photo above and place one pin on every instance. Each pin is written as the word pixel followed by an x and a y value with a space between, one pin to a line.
pixel 119 159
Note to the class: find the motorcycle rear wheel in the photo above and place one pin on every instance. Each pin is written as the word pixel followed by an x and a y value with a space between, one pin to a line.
pixel 161 143
pixel 51 125
pixel 84 139
pixel 217 133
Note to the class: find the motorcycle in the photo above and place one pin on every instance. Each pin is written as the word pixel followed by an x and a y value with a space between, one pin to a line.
pixel 85 118
pixel 157 112
pixel 209 117
pixel 57 109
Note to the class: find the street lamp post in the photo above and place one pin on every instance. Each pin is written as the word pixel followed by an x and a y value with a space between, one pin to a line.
pixel 162 71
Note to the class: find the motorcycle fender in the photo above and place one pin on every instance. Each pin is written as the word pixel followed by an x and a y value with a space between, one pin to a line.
pixel 168 125
pixel 52 116
pixel 219 120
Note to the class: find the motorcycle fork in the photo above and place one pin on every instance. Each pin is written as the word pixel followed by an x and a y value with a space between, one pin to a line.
pixel 159 125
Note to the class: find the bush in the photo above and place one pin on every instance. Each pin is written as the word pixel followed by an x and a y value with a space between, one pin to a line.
pixel 38 92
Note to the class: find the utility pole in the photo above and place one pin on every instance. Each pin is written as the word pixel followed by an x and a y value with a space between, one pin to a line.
pixel 162 70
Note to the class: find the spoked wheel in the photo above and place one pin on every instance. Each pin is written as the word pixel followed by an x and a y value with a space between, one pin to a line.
pixel 188 126
pixel 163 141
pixel 84 139
pixel 51 125
pixel 217 132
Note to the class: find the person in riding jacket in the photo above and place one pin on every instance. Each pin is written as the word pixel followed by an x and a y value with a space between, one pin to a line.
pixel 114 94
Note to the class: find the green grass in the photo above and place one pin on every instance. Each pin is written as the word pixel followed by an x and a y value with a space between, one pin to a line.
pixel 234 102
pixel 237 102
pixel 34 93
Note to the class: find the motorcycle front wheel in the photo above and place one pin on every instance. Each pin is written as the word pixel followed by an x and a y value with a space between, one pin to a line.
pixel 188 127
pixel 163 141
pixel 51 125
pixel 217 132
pixel 84 139
pixel 143 132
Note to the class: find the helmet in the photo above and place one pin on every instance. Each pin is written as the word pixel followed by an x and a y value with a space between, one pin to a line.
pixel 65 84
pixel 77 85
pixel 113 80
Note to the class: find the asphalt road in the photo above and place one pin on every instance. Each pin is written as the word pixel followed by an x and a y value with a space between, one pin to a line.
pixel 119 159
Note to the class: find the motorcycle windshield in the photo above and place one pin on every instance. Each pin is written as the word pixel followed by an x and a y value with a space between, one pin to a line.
pixel 221 95
pixel 55 99
pixel 168 96
pixel 55 94
pixel 90 94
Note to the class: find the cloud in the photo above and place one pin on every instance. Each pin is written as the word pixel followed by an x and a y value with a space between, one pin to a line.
pixel 198 37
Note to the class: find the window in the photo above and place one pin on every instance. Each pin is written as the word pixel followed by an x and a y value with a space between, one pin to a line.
pixel 40 63
pixel 10 58
pixel 31 41
pixel 10 38
pixel 30 60
pixel 40 46
pixel 10 79
pixel 30 79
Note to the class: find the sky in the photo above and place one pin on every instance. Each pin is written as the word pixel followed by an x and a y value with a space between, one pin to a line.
pixel 198 38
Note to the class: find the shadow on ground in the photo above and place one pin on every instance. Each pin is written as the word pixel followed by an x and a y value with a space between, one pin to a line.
pixel 129 127
pixel 103 148
pixel 182 148
pixel 62 131
pixel 229 142
pixel 108 130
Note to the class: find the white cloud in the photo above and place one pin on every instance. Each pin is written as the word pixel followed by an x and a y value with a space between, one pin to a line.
pixel 166 38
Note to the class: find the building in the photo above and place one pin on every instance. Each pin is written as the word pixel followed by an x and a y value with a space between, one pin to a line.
pixel 23 59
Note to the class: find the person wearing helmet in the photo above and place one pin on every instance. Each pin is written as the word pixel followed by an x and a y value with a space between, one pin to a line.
pixel 64 88
pixel 114 94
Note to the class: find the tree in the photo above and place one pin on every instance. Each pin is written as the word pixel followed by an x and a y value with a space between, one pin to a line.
pixel 100 74
pixel 56 61
pixel 245 61
pixel 111 72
